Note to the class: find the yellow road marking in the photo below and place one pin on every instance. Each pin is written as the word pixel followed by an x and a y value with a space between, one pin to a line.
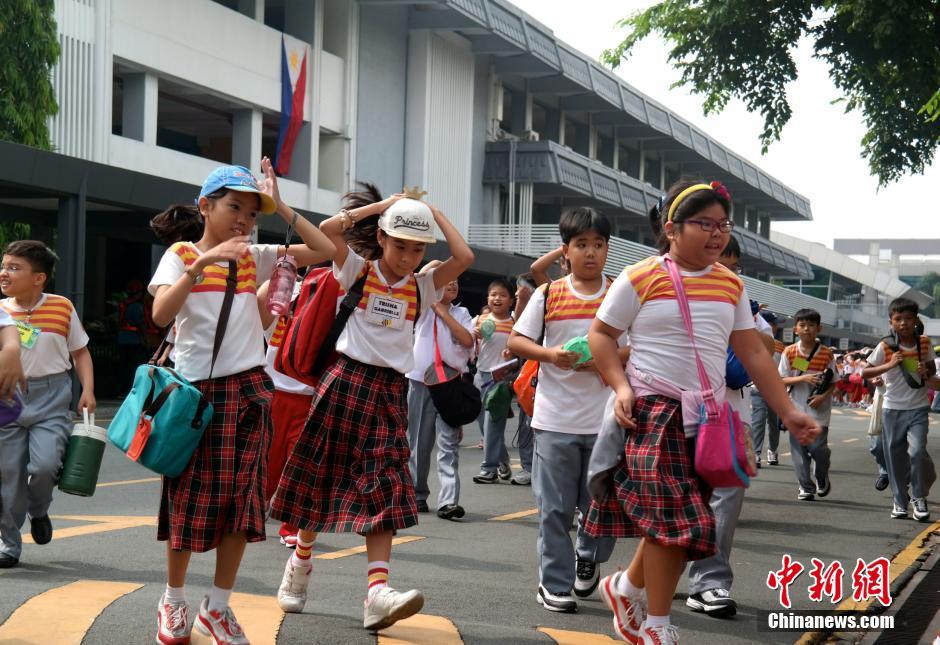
pixel 259 616
pixel 333 555
pixel 129 481
pixel 514 516
pixel 565 637
pixel 100 524
pixel 899 565
pixel 421 628
pixel 62 615
pixel 852 440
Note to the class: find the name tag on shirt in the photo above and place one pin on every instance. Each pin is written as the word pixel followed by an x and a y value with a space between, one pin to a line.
pixel 28 334
pixel 800 363
pixel 385 311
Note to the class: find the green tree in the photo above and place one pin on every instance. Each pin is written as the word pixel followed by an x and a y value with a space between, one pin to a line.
pixel 30 49
pixel 929 283
pixel 884 58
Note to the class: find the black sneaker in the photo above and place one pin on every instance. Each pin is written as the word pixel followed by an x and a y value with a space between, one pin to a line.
pixel 882 482
pixel 805 495
pixel 561 602
pixel 450 512
pixel 41 529
pixel 8 561
pixel 823 486
pixel 504 472
pixel 423 506
pixel 588 577
pixel 714 602
pixel 484 477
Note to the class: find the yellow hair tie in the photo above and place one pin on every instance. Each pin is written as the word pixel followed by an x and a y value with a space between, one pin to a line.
pixel 685 193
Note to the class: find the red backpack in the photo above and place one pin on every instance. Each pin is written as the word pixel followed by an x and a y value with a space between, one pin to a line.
pixel 309 345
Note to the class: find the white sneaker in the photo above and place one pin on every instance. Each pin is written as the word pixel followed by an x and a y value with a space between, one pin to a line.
pixel 522 478
pixel 898 512
pixel 173 626
pixel 661 635
pixel 921 514
pixel 629 614
pixel 292 594
pixel 386 607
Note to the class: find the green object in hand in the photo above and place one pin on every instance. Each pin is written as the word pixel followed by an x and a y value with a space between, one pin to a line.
pixel 487 328
pixel 579 345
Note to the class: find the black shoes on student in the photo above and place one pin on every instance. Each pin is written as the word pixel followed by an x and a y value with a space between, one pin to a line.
pixel 41 529
pixel 8 561
pixel 882 482
pixel 450 512
pixel 423 506
pixel 587 579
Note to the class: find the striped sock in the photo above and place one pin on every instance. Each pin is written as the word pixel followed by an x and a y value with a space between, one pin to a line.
pixel 378 575
pixel 303 551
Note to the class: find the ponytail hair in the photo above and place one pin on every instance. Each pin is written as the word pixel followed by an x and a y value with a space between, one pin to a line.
pixel 181 222
pixel 690 205
pixel 178 223
pixel 362 238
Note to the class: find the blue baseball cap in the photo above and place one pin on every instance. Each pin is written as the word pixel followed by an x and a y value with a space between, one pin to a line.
pixel 237 178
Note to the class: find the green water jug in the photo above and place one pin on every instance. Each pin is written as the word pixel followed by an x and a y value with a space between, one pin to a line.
pixel 83 458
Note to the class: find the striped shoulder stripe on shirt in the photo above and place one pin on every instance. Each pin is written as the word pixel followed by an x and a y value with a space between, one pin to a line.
pixel 563 304
pixel 54 315
pixel 502 326
pixel 651 281
pixel 821 359
pixel 407 293
pixel 214 276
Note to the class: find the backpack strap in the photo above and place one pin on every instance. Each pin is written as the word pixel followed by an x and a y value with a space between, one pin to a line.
pixel 548 290
pixel 891 342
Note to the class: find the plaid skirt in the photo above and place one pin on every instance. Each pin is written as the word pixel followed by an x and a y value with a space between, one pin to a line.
pixel 222 489
pixel 656 493
pixel 348 471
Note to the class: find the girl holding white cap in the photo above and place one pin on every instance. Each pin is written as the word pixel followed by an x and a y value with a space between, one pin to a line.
pixel 349 470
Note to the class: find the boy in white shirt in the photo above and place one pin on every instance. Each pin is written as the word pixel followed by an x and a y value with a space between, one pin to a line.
pixel 905 361
pixel 454 327
pixel 32 448
pixel 569 410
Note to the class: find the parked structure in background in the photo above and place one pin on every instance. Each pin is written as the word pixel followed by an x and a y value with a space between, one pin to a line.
pixel 473 100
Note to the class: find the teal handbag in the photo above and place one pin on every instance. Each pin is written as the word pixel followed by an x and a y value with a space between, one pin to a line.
pixel 162 420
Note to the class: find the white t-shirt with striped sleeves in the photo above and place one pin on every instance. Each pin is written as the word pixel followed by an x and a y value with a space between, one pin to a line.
pixel 365 338
pixel 243 344
pixel 491 349
pixel 569 401
pixel 642 301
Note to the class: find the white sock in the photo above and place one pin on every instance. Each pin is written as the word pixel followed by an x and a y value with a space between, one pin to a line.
pixel 175 595
pixel 657 621
pixel 218 598
pixel 626 588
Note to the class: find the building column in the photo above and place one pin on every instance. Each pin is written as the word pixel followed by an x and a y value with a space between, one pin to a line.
pixel 763 228
pixel 139 109
pixel 246 137
pixel 70 247
pixel 752 221
pixel 642 172
pixel 615 157
pixel 561 128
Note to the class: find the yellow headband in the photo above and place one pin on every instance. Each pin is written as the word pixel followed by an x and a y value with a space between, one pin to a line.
pixel 685 193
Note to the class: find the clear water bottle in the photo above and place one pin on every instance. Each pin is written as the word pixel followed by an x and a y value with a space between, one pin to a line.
pixel 281 287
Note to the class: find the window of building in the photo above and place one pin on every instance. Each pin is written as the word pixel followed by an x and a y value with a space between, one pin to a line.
pixel 653 165
pixel 117 105
pixel 193 122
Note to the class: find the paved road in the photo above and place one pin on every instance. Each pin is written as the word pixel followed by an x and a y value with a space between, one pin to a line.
pixel 100 578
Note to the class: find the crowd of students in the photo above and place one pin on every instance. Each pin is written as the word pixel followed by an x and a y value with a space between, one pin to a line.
pixel 610 443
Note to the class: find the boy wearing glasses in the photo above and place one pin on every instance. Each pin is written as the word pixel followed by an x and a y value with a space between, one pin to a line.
pixel 31 448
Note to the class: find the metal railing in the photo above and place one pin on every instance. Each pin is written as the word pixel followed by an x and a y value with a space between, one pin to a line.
pixel 538 239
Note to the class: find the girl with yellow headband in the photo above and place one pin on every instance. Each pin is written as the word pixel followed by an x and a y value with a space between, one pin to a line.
pixel 643 478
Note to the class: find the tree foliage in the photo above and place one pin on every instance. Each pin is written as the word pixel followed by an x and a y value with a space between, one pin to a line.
pixel 29 51
pixel 884 58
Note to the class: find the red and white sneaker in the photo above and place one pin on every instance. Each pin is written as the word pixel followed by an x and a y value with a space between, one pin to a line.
pixel 221 626
pixel 173 626
pixel 288 535
pixel 660 635
pixel 629 614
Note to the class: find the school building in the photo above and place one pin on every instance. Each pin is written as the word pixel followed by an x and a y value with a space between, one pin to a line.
pixel 503 125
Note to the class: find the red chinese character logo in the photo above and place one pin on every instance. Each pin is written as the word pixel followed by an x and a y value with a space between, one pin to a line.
pixel 826 582
pixel 782 579
pixel 871 581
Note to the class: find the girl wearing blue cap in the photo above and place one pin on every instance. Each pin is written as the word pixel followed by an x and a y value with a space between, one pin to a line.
pixel 348 471
pixel 218 501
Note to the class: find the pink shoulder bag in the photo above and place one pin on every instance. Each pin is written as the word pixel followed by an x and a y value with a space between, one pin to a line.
pixel 721 454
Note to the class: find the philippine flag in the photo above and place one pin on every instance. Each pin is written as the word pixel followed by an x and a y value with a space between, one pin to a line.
pixel 293 98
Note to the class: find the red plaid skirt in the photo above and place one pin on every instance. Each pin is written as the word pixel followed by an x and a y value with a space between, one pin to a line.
pixel 348 472
pixel 656 493
pixel 222 489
